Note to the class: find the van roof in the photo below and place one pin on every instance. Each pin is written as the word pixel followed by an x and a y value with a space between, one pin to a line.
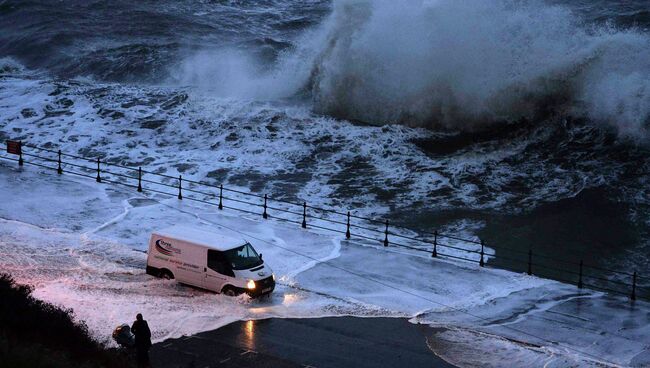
pixel 206 238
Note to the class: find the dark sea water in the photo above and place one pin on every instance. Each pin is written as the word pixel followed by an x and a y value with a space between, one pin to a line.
pixel 523 122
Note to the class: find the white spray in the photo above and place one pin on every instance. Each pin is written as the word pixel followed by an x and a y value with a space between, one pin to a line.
pixel 456 64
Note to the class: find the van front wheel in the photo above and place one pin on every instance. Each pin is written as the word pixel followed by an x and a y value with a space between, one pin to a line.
pixel 229 291
pixel 166 274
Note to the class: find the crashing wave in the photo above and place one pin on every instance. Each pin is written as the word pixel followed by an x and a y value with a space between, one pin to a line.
pixel 458 64
pixel 450 64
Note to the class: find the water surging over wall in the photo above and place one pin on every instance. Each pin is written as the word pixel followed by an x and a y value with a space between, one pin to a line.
pixel 462 63
pixel 457 64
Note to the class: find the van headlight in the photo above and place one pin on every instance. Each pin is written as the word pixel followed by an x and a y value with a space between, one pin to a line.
pixel 250 284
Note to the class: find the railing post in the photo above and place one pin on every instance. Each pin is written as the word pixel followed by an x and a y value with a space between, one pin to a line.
pixel 347 232
pixel 20 154
pixel 530 262
pixel 221 196
pixel 434 252
pixel 180 185
pixel 99 178
pixel 140 179
pixel 386 235
pixel 580 276
pixel 482 261
pixel 59 169
pixel 265 215
pixel 304 215
pixel 633 296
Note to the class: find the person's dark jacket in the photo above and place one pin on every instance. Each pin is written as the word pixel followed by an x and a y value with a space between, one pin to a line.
pixel 142 334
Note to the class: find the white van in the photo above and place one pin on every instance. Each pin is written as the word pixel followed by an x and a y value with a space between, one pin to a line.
pixel 209 260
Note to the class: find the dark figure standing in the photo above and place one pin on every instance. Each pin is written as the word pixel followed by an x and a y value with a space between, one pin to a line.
pixel 142 334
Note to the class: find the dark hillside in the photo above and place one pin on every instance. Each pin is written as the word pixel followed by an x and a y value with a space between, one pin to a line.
pixel 34 333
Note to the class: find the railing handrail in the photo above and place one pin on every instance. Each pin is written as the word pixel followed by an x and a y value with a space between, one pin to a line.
pixel 373 220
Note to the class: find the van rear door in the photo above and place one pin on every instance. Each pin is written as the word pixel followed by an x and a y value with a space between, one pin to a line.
pixel 218 272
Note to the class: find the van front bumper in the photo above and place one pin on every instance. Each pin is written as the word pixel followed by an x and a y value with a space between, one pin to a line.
pixel 262 287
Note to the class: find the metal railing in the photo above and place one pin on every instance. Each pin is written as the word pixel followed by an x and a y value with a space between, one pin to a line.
pixel 365 229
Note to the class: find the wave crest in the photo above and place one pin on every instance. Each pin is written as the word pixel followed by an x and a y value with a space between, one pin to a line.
pixel 455 64
pixel 460 64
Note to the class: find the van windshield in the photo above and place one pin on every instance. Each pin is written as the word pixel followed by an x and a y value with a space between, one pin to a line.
pixel 243 257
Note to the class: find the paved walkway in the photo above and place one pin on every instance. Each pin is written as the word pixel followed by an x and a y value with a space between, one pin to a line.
pixel 205 351
pixel 320 342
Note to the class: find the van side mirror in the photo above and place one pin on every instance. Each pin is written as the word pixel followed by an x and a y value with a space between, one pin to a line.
pixel 261 257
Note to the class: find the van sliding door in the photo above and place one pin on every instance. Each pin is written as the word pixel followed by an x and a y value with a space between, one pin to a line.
pixel 218 270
